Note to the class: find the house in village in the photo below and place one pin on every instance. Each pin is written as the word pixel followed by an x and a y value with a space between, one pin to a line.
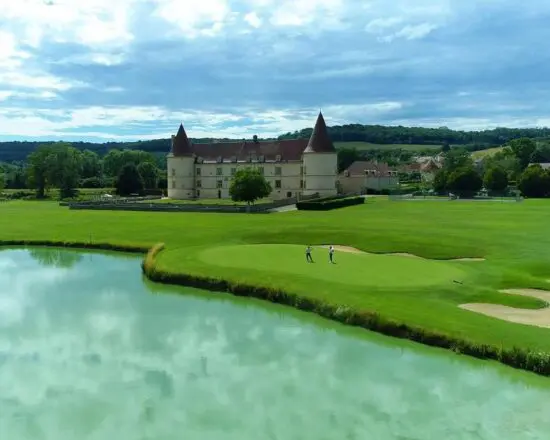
pixel 361 176
pixel 294 167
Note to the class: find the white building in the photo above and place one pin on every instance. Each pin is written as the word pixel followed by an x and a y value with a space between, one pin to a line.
pixel 294 167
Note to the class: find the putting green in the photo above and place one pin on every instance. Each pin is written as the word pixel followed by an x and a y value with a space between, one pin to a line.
pixel 360 269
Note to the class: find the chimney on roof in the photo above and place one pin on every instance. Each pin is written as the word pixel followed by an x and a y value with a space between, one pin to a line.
pixel 255 138
pixel 320 141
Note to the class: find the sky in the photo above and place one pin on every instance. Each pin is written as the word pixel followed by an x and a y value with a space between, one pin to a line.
pixel 116 70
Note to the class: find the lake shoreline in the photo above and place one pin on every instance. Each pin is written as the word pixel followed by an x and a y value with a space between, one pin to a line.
pixel 535 362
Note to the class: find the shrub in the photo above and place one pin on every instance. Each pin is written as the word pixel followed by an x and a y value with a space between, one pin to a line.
pixel 465 182
pixel 534 182
pixel 329 203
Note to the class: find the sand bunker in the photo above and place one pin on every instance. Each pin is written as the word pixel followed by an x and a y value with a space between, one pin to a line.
pixel 538 317
pixel 397 254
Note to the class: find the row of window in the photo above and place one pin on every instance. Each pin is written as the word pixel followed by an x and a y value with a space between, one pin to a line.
pixel 219 184
pixel 219 171
pixel 251 158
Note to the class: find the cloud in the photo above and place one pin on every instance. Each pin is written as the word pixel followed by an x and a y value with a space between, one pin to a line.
pixel 127 69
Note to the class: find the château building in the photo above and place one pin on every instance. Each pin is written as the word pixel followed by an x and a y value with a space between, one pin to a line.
pixel 294 167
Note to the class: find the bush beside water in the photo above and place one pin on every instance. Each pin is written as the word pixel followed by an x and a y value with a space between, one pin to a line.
pixel 537 362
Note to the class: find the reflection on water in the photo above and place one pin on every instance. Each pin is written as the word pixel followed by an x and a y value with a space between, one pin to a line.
pixel 55 257
pixel 86 352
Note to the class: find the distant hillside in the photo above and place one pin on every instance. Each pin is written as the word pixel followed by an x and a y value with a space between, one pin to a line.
pixel 353 135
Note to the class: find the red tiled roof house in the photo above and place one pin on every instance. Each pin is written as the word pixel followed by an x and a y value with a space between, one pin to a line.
pixel 364 175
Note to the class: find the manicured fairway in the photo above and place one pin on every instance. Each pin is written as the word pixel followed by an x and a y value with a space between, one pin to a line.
pixel 367 270
pixel 513 237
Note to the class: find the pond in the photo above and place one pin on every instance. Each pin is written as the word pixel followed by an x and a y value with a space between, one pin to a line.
pixel 90 350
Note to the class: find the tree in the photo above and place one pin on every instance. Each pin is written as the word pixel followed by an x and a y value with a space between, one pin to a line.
pixel 464 181
pixel 445 147
pixel 534 182
pixel 346 156
pixel 149 173
pixel 248 185
pixel 457 158
pixel 439 183
pixel 495 179
pixel 64 167
pixel 129 181
pixel 541 154
pixel 114 160
pixel 91 164
pixel 37 169
pixel 2 180
pixel 523 149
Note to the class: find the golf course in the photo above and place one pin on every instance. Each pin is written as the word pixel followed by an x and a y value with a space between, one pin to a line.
pixel 455 270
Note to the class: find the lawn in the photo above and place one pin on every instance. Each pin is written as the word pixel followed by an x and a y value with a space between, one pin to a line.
pixel 369 146
pixel 481 154
pixel 513 237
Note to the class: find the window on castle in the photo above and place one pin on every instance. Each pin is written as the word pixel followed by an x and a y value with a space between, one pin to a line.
pixel 277 184
pixel 233 171
pixel 301 184
pixel 219 171
pixel 278 171
pixel 219 184
pixel 199 184
pixel 173 172
pixel 173 184
pixel 301 170
pixel 198 171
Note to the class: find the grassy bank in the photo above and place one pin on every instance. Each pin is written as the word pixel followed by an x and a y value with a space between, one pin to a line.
pixel 513 238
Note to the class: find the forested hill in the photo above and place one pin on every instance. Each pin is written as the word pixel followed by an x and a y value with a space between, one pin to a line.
pixel 375 134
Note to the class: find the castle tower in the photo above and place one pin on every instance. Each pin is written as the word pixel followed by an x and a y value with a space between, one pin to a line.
pixel 181 167
pixel 320 162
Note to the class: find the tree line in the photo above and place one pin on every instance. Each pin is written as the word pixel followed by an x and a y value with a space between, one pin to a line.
pixel 62 166
pixel 379 134
pixel 376 134
pixel 516 165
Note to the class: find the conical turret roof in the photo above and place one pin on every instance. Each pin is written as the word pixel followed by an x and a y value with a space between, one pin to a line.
pixel 320 141
pixel 180 143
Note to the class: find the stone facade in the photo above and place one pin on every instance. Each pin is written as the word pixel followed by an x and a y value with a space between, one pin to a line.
pixel 294 167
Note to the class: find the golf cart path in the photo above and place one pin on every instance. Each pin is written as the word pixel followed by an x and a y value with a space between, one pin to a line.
pixel 537 317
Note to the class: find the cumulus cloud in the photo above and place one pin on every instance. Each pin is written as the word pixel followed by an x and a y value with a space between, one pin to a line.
pixel 129 69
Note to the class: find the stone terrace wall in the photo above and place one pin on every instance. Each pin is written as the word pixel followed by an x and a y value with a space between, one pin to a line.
pixel 128 205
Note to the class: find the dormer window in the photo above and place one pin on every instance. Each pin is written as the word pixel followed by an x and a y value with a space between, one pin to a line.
pixel 234 159
pixel 219 159
pixel 261 158
pixel 200 160
pixel 278 158
pixel 346 173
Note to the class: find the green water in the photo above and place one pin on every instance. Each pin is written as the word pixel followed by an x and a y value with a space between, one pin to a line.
pixel 88 350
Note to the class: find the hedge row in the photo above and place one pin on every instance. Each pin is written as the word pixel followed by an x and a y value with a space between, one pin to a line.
pixel 79 245
pixel 537 362
pixel 328 204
